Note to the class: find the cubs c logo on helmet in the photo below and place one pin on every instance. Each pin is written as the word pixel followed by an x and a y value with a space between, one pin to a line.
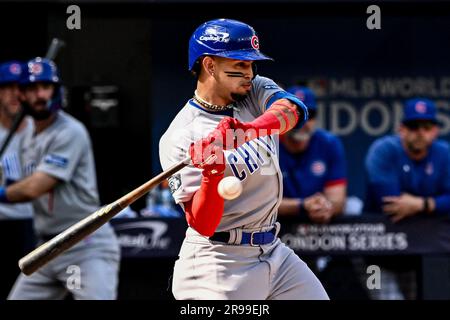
pixel 15 69
pixel 421 107
pixel 255 42
pixel 36 69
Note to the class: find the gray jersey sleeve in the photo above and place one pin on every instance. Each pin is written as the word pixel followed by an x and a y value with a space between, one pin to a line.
pixel 262 90
pixel 174 146
pixel 63 154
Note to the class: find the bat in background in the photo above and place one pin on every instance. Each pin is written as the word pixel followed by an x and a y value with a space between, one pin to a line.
pixel 74 234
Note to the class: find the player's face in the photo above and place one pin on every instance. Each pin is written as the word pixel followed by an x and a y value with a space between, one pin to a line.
pixel 37 95
pixel 234 77
pixel 10 99
pixel 298 140
pixel 417 136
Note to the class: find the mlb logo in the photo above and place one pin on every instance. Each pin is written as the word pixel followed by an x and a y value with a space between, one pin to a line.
pixel 318 168
pixel 421 107
pixel 15 69
pixel 36 69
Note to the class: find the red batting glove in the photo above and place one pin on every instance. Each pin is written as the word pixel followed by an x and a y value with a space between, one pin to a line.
pixel 208 156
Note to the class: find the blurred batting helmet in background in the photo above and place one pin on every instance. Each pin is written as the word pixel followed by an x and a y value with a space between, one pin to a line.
pixel 308 97
pixel 224 38
pixel 44 70
pixel 305 94
pixel 40 70
pixel 10 72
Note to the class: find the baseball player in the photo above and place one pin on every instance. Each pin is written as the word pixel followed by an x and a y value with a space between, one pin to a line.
pixel 231 249
pixel 314 170
pixel 10 166
pixel 61 182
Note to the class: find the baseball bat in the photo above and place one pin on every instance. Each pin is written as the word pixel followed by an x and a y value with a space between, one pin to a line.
pixel 74 234
pixel 52 51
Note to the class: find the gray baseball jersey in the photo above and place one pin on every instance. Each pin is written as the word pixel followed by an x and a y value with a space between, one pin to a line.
pixel 11 171
pixel 209 269
pixel 63 150
pixel 255 163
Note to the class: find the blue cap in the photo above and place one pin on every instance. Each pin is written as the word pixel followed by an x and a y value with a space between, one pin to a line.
pixel 305 94
pixel 225 38
pixel 10 72
pixel 419 109
pixel 40 70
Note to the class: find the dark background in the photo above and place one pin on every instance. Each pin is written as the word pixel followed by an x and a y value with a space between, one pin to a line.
pixel 140 47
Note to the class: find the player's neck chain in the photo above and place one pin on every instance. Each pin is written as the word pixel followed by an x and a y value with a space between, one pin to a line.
pixel 210 106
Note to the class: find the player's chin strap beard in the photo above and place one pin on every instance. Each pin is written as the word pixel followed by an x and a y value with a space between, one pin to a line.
pixel 210 106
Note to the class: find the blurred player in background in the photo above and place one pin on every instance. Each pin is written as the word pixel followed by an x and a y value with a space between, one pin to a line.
pixel 231 249
pixel 11 171
pixel 61 183
pixel 10 166
pixel 408 174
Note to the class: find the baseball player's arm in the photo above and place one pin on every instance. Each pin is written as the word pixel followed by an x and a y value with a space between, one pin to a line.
pixel 29 188
pixel 382 175
pixel 281 117
pixel 290 207
pixel 204 211
pixel 336 194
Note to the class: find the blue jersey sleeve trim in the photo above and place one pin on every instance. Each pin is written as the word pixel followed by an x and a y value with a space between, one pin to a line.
pixel 286 95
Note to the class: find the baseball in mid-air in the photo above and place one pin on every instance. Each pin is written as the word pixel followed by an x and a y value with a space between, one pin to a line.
pixel 229 188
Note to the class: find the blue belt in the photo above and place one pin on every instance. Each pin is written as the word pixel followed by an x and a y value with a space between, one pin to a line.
pixel 251 238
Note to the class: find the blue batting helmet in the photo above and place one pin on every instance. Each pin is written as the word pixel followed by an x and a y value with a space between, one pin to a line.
pixel 305 94
pixel 44 70
pixel 40 70
pixel 10 72
pixel 225 38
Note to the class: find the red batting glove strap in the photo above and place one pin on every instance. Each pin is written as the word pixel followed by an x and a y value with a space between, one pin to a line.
pixel 205 209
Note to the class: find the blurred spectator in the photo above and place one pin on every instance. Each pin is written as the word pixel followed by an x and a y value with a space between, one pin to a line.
pixel 408 175
pixel 315 185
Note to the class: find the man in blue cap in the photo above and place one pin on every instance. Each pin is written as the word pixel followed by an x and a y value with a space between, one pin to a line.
pixel 314 168
pixel 407 175
pixel 408 172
